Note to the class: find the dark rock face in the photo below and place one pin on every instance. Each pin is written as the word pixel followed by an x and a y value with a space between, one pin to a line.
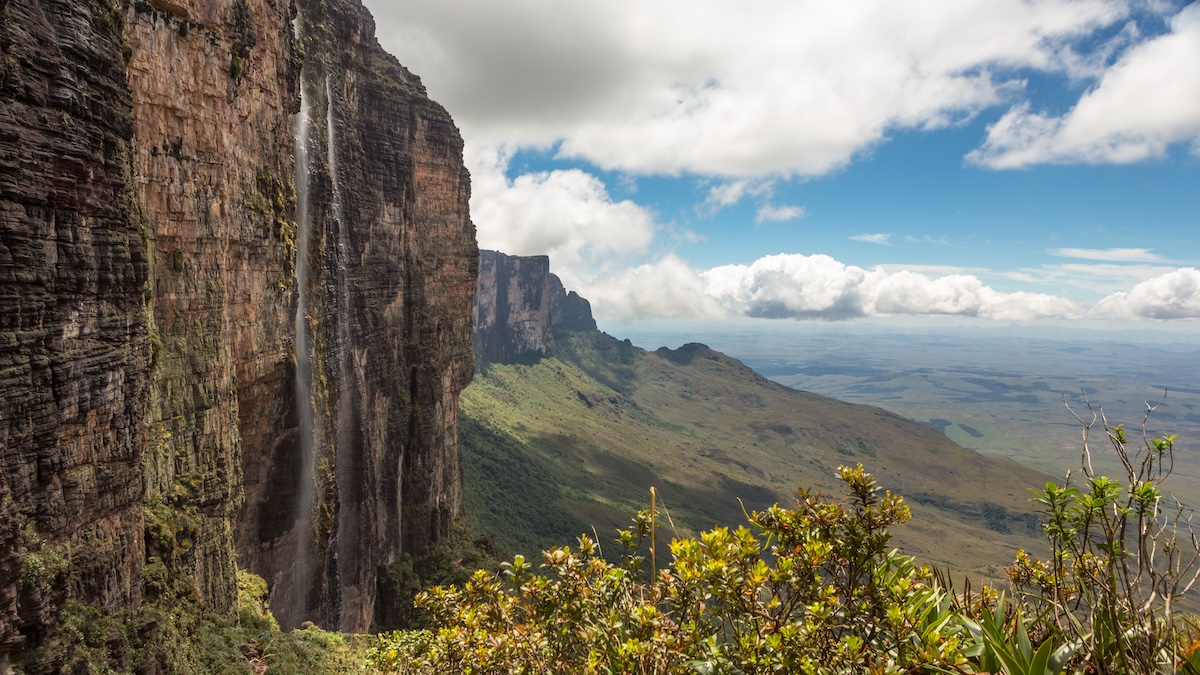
pixel 512 309
pixel 394 261
pixel 521 309
pixel 211 161
pixel 148 231
pixel 569 312
pixel 74 354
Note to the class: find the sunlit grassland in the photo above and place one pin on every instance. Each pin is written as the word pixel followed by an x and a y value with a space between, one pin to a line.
pixel 574 443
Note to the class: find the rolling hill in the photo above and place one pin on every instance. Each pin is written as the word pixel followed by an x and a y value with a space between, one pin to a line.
pixel 572 442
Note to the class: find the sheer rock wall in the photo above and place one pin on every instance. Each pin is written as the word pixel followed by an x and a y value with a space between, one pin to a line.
pixel 148 291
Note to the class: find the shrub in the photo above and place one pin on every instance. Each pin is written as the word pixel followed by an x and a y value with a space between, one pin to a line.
pixel 814 589
pixel 1122 556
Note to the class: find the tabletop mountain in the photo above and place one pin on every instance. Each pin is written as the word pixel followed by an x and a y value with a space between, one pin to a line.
pixel 572 435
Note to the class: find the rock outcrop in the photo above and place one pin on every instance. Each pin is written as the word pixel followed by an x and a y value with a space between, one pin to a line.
pixel 521 309
pixel 512 309
pixel 74 349
pixel 569 311
pixel 151 237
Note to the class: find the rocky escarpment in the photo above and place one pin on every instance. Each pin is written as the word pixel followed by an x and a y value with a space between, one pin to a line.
pixel 512 309
pixel 150 240
pixel 74 354
pixel 520 308
pixel 383 224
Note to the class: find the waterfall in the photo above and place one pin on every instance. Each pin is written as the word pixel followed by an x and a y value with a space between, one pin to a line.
pixel 343 252
pixel 295 590
pixel 347 513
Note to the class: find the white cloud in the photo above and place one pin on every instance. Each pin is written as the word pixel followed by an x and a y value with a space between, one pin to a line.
pixel 1108 254
pixel 1091 280
pixel 934 270
pixel 767 87
pixel 876 238
pixel 809 287
pixel 1174 295
pixel 1145 102
pixel 741 96
pixel 666 289
pixel 731 192
pixel 927 239
pixel 566 214
pixel 769 212
pixel 726 194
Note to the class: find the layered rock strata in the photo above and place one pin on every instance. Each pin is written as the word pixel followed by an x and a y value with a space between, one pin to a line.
pixel 148 296
pixel 394 263
pixel 74 353
pixel 512 309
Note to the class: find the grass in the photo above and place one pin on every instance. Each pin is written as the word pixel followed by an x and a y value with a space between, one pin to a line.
pixel 574 443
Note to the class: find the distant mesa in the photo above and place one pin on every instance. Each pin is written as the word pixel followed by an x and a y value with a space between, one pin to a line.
pixel 569 312
pixel 521 308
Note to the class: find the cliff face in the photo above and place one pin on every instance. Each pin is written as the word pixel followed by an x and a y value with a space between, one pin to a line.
pixel 512 309
pixel 187 340
pixel 211 150
pixel 521 308
pixel 74 355
pixel 384 232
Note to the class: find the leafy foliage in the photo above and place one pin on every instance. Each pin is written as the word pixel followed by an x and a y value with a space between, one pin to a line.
pixel 174 633
pixel 1122 555
pixel 814 589
pixel 449 562
pixel 817 589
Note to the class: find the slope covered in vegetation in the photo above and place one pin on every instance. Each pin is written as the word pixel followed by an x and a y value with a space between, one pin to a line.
pixel 573 443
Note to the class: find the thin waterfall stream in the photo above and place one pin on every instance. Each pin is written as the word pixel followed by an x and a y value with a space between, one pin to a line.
pixel 344 422
pixel 294 597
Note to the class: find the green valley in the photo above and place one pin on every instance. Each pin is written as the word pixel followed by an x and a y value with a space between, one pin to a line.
pixel 574 442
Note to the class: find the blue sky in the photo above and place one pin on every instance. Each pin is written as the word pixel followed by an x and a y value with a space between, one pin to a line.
pixel 990 160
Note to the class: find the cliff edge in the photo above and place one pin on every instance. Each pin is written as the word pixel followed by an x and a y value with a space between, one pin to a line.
pixel 521 308
pixel 236 272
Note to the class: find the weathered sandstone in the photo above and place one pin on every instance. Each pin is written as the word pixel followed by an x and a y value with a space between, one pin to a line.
pixel 148 241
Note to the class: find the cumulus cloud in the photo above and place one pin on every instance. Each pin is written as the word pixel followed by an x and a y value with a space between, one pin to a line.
pixel 772 213
pixel 1108 254
pixel 741 98
pixel 1174 295
pixel 566 214
pixel 819 287
pixel 873 238
pixel 770 87
pixel 1145 102
pixel 810 287
pixel 666 289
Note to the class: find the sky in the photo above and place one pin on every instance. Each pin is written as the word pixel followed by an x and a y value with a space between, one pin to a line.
pixel 990 161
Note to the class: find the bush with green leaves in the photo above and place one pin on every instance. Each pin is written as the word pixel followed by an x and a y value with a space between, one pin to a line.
pixel 1122 556
pixel 813 589
pixel 816 589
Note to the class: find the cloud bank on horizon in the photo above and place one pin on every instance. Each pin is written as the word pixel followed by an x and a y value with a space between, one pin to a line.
pixel 745 103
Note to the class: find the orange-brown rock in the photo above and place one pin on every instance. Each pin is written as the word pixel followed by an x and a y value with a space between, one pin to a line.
pixel 212 162
pixel 148 243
